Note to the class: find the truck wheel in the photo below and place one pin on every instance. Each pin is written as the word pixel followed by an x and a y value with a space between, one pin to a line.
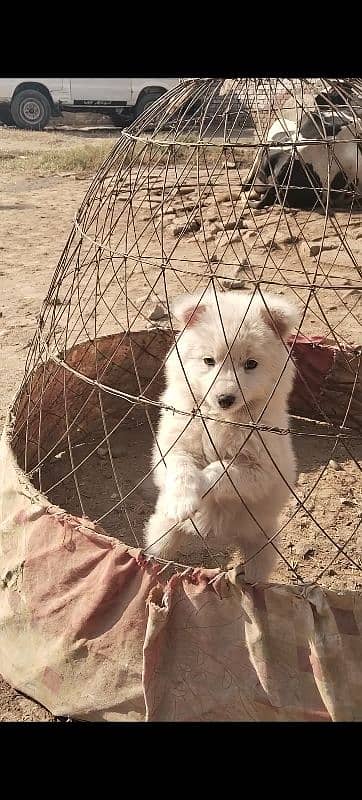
pixel 144 102
pixel 30 109
pixel 5 116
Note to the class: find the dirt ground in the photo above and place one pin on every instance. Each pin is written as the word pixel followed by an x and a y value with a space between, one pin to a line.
pixel 36 215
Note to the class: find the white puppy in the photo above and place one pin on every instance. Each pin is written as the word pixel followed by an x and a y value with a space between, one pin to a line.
pixel 225 482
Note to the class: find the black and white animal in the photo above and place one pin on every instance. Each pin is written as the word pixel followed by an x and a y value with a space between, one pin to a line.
pixel 313 161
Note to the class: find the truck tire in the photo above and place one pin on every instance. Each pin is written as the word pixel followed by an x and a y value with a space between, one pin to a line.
pixel 5 116
pixel 30 109
pixel 145 101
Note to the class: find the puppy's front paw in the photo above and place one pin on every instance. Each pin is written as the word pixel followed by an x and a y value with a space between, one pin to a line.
pixel 183 494
pixel 181 507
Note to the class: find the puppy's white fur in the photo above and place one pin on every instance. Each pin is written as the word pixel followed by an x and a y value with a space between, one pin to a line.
pixel 237 468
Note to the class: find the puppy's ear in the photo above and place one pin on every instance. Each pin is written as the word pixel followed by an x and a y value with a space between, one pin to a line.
pixel 280 315
pixel 188 309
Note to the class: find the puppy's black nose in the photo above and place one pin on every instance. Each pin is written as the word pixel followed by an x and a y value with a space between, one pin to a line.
pixel 226 400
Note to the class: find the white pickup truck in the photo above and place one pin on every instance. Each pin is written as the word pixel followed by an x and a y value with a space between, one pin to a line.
pixel 33 101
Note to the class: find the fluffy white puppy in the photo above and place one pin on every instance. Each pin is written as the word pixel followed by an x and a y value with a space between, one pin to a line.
pixel 218 479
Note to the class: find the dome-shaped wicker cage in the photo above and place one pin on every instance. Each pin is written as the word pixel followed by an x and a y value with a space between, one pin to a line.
pixel 245 186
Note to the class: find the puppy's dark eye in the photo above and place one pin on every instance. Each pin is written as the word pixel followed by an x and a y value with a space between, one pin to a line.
pixel 250 364
pixel 209 361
